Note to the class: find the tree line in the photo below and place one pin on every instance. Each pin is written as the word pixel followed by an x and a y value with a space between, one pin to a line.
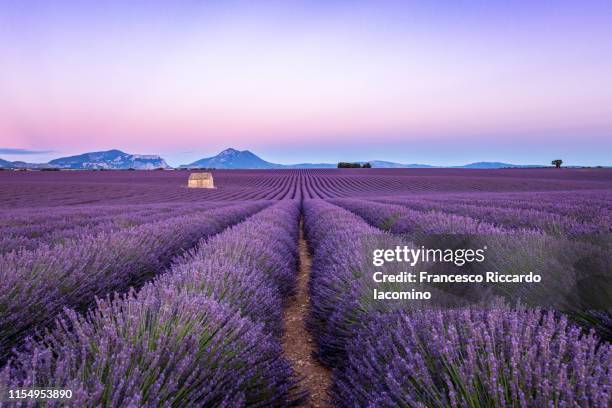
pixel 347 165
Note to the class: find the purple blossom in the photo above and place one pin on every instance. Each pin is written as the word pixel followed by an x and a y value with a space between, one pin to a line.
pixel 157 347
pixel 525 358
pixel 205 333
pixel 36 285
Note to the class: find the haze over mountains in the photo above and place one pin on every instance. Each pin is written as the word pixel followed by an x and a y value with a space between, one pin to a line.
pixel 227 159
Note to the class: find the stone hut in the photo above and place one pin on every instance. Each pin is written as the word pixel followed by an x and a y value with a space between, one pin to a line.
pixel 200 180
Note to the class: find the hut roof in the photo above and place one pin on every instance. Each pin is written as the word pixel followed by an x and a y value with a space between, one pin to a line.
pixel 200 176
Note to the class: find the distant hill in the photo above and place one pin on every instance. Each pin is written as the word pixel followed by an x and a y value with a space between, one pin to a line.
pixel 23 165
pixel 110 159
pixel 234 159
pixel 227 159
pixel 495 165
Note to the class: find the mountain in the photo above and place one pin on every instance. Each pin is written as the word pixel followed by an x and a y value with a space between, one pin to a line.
pixel 495 165
pixel 234 159
pixel 227 159
pixel 111 159
pixel 23 165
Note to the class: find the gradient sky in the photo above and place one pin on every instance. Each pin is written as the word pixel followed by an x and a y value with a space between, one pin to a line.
pixel 438 82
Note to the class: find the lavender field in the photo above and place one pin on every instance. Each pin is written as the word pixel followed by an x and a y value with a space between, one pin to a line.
pixel 129 289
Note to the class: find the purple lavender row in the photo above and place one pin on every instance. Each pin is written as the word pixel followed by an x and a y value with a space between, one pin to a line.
pixel 252 266
pixel 514 218
pixel 385 355
pixel 36 285
pixel 469 358
pixel 62 217
pixel 122 188
pixel 401 220
pixel 341 284
pixel 572 270
pixel 337 275
pixel 29 229
pixel 18 216
pixel 181 340
pixel 584 206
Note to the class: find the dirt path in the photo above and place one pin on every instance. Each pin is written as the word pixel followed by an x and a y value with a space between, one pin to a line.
pixel 298 344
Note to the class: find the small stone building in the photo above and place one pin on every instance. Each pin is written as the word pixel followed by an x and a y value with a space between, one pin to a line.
pixel 200 180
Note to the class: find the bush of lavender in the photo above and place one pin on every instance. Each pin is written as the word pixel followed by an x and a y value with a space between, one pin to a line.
pixel 400 220
pixel 334 280
pixel 36 285
pixel 181 340
pixel 549 222
pixel 468 358
pixel 157 348
pixel 237 286
pixel 251 267
pixel 583 206
pixel 341 285
pixel 29 228
pixel 271 246
pixel 565 264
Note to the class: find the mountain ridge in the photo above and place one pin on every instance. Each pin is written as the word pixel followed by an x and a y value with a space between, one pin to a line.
pixel 235 159
pixel 230 158
pixel 494 165
pixel 110 159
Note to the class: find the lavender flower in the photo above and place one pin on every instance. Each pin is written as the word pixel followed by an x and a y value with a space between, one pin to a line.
pixel 524 358
pixel 181 339
pixel 36 285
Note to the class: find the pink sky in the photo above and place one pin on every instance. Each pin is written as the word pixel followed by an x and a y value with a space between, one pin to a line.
pixel 307 79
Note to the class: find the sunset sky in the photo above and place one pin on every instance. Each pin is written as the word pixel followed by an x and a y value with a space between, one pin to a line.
pixel 440 82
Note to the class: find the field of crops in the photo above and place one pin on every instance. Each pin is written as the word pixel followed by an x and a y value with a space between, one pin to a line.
pixel 129 289
pixel 34 189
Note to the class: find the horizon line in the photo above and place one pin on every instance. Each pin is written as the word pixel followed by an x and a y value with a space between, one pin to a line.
pixel 19 152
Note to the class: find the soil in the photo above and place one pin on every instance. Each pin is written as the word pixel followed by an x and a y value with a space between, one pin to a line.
pixel 298 344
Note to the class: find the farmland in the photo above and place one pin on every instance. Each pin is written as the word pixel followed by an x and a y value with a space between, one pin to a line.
pixel 129 188
pixel 129 289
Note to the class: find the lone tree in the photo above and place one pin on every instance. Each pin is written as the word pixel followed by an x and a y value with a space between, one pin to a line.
pixel 557 163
